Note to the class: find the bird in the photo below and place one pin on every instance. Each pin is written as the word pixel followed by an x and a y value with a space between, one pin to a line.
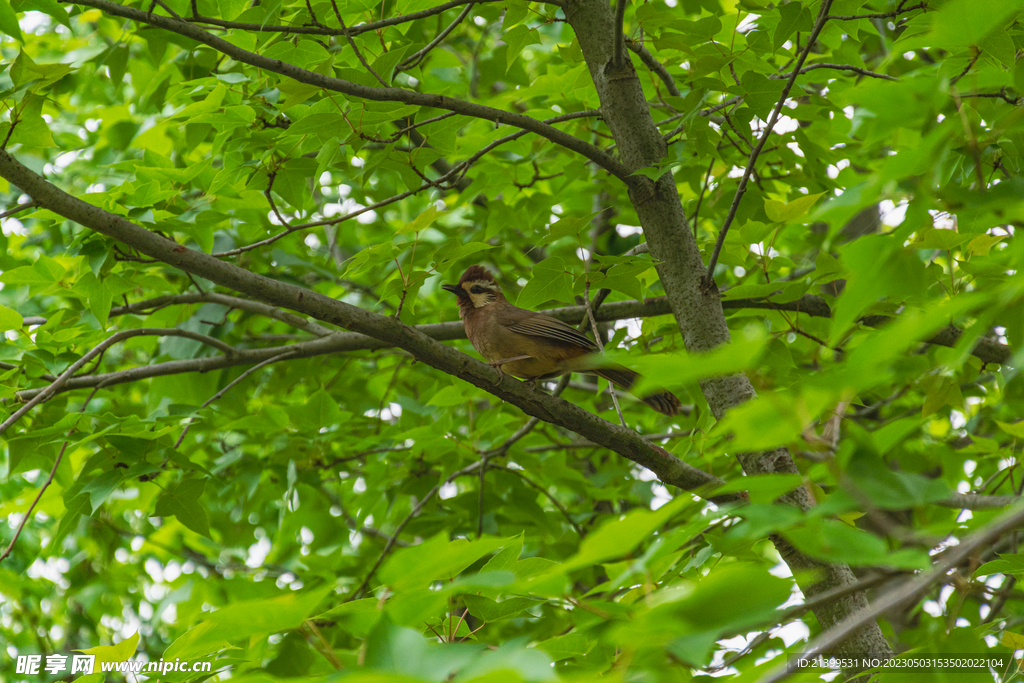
pixel 531 345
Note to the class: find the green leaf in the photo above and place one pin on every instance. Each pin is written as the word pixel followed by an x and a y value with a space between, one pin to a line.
pixel 963 22
pixel 120 652
pixel 565 647
pixel 246 619
pixel 9 21
pixel 794 17
pixel 781 212
pixel 50 7
pixel 1015 429
pixel 182 502
pixel 9 319
pixel 762 488
pixel 489 610
pixel 834 541
pixel 437 558
pixel 760 93
pixel 517 38
pixel 549 281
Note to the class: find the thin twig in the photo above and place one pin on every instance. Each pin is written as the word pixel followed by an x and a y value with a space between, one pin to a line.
pixel 840 67
pixel 355 48
pixel 326 30
pixel 554 501
pixel 46 484
pixel 597 338
pixel 469 469
pixel 249 371
pixel 115 338
pixel 880 15
pixel 451 176
pixel 818 26
pixel 20 207
pixel 696 211
pixel 654 65
pixel 418 56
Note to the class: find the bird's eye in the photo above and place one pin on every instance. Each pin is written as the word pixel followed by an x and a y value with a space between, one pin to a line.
pixel 477 289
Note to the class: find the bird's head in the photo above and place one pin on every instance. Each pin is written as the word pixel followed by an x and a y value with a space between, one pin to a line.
pixel 476 289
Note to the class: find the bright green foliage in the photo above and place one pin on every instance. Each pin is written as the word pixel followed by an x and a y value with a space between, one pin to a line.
pixel 249 543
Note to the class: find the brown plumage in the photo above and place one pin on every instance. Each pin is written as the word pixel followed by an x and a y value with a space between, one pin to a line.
pixel 531 345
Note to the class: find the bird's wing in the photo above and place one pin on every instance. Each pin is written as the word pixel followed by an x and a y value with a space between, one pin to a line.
pixel 539 325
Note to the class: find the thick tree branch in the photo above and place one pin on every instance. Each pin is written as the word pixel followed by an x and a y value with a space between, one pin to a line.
pixel 328 31
pixel 392 94
pixel 629 444
pixel 654 65
pixel 988 350
pixel 618 54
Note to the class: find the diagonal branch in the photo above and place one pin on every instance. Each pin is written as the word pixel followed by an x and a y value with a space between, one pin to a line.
pixel 326 30
pixel 670 469
pixel 988 350
pixel 391 94
pixel 654 65
pixel 51 389
pixel 910 591
pixel 417 57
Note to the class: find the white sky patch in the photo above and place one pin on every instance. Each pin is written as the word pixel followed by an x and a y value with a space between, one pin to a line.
pixel 661 496
pixel 12 226
pixel 793 632
pixel 786 124
pixel 258 552
pixel 632 325
pixel 624 230
pixel 892 214
pixel 449 490
pixel 943 220
pixel 748 23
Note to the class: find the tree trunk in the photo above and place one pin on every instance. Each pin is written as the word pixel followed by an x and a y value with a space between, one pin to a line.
pixel 698 313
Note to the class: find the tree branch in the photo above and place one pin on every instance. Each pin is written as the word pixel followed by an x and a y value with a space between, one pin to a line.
pixel 988 350
pixel 51 389
pixel 618 54
pixel 418 56
pixel 327 31
pixel 391 94
pixel 910 591
pixel 629 444
pixel 654 65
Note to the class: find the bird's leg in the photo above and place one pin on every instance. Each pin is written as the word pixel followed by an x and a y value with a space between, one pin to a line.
pixel 496 364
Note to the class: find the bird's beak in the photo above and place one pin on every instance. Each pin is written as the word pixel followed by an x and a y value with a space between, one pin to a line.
pixel 454 289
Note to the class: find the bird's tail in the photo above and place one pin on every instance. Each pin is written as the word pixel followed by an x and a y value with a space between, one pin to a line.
pixel 665 402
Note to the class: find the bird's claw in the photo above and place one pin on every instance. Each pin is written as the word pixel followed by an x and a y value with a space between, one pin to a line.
pixel 496 364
